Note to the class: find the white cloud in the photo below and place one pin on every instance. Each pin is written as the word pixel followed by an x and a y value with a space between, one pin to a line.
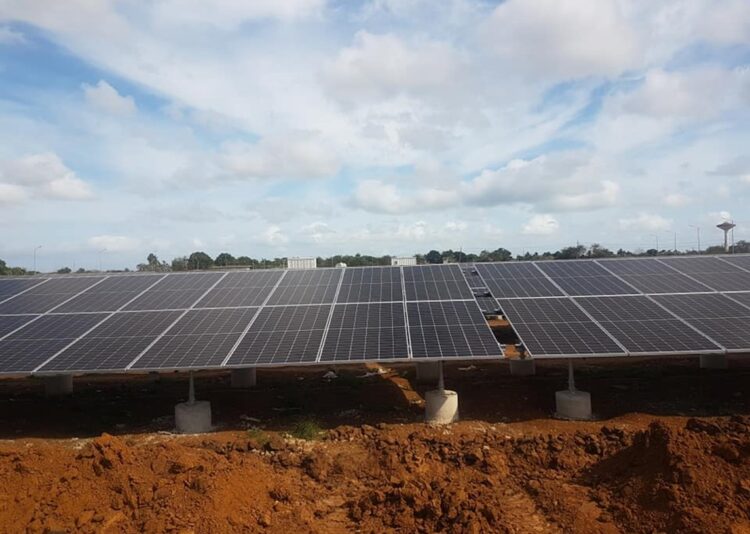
pixel 114 243
pixel 646 222
pixel 455 226
pixel 9 36
pixel 384 66
pixel 12 194
pixel 273 235
pixel 104 97
pixel 228 14
pixel 380 197
pixel 676 200
pixel 697 93
pixel 42 175
pixel 560 182
pixel 542 224
pixel 317 231
pixel 562 38
pixel 298 155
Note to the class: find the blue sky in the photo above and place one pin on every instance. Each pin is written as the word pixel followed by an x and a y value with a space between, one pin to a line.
pixel 306 127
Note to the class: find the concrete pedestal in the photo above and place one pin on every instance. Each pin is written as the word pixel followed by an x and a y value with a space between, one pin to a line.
pixel 441 407
pixel 243 378
pixel 713 361
pixel 573 405
pixel 525 367
pixel 193 417
pixel 57 385
pixel 428 372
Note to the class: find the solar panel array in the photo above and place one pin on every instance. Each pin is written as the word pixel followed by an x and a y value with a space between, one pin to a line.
pixel 638 303
pixel 206 320
pixel 575 308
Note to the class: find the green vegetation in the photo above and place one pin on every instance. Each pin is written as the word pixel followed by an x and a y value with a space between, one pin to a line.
pixel 5 270
pixel 259 437
pixel 201 261
pixel 307 429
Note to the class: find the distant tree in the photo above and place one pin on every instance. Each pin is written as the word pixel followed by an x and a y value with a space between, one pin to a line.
pixel 623 252
pixel 199 260
pixel 180 263
pixel 6 270
pixel 598 251
pixel 460 257
pixel 64 270
pixel 224 259
pixel 433 256
pixel 80 270
pixel 500 254
pixel 570 253
pixel 652 252
pixel 153 265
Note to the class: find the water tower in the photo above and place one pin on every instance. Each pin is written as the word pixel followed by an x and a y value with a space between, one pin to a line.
pixel 726 226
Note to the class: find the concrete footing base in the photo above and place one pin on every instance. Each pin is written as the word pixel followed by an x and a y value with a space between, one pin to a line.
pixel 525 367
pixel 193 418
pixel 57 385
pixel 441 407
pixel 573 405
pixel 243 378
pixel 713 361
pixel 428 372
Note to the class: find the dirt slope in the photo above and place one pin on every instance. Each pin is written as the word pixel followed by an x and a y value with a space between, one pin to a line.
pixel 672 476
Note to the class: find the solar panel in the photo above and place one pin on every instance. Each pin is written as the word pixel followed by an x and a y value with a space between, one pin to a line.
pixel 371 284
pixel 486 304
pixel 112 345
pixel 516 280
pixel 241 289
pixel 307 286
pixel 8 323
pixel 652 276
pixel 472 276
pixel 721 318
pixel 47 296
pixel 435 282
pixel 713 272
pixel 26 349
pixel 555 327
pixel 643 327
pixel 13 286
pixel 175 292
pixel 357 332
pixel 282 335
pixel 449 330
pixel 200 339
pixel 111 294
pixel 742 261
pixel 584 277
pixel 744 298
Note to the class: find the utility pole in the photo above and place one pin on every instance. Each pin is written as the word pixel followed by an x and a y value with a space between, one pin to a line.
pixel 35 249
pixel 698 231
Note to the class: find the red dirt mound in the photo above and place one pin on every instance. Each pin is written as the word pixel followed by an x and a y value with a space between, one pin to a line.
pixel 670 476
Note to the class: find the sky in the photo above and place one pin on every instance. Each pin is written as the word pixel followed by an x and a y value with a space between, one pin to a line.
pixel 279 128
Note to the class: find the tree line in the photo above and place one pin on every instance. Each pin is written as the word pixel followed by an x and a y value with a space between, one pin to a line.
pixel 199 260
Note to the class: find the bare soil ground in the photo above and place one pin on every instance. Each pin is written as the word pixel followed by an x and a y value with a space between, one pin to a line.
pixel 669 452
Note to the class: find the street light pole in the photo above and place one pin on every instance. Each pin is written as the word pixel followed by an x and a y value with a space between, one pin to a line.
pixel 35 249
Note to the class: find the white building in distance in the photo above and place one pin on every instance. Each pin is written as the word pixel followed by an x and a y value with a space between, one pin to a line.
pixel 301 263
pixel 404 260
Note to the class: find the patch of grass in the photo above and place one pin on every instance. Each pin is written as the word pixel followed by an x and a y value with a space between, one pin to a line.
pixel 259 437
pixel 307 429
